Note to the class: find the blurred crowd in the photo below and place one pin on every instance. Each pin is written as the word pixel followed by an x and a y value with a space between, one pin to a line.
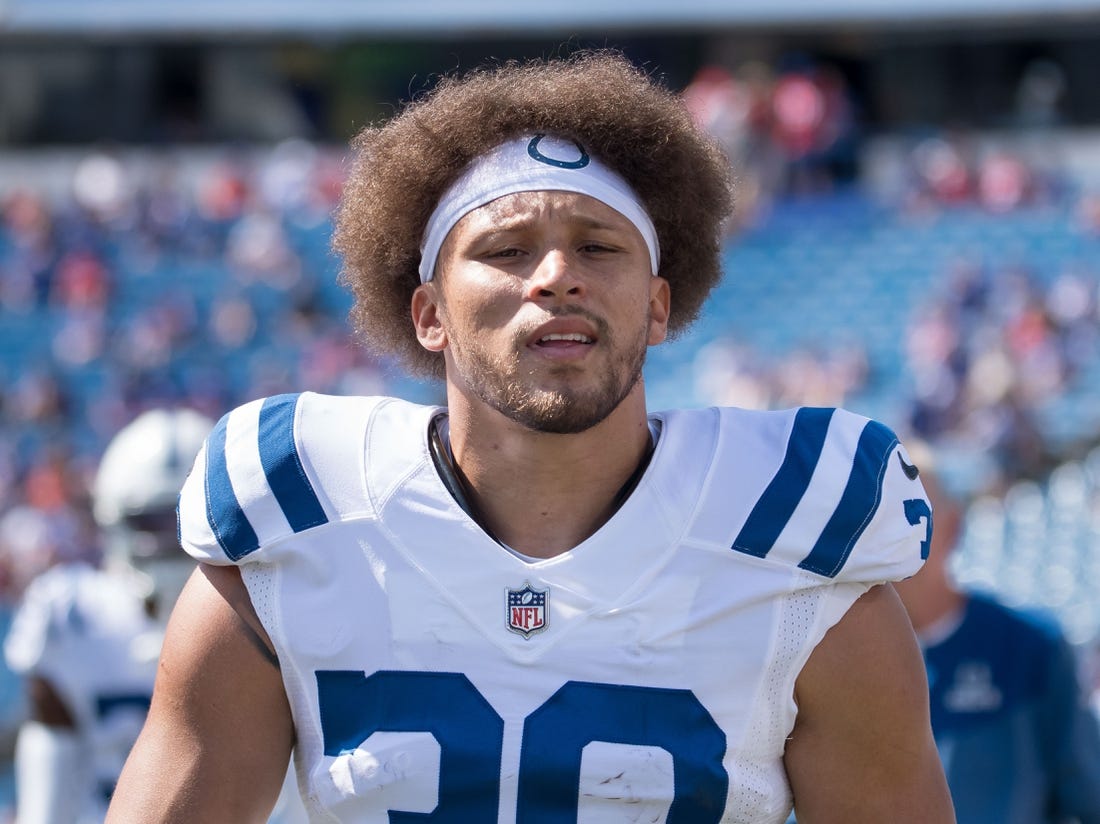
pixel 795 126
pixel 991 350
pixel 787 129
pixel 1000 359
pixel 202 281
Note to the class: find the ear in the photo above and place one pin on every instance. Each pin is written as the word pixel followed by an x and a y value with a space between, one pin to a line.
pixel 426 318
pixel 660 304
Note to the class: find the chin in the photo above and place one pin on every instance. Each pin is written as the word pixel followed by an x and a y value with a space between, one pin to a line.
pixel 561 413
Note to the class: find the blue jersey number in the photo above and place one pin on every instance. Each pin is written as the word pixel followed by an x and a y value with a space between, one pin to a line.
pixel 129 709
pixel 917 510
pixel 470 736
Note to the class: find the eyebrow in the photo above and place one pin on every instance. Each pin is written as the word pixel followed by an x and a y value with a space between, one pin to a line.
pixel 514 222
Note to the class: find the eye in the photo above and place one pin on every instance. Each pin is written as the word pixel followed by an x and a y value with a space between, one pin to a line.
pixel 501 252
pixel 598 248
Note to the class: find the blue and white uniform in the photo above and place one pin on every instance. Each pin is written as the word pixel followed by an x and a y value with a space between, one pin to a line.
pixel 87 633
pixel 645 675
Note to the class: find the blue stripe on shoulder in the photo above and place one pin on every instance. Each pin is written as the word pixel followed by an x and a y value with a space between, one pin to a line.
pixel 858 503
pixel 283 465
pixel 777 504
pixel 223 512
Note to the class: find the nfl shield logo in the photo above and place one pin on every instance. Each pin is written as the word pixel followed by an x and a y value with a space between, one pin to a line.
pixel 527 610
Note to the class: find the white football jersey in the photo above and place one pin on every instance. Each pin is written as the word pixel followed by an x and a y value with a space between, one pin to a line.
pixel 87 633
pixel 646 675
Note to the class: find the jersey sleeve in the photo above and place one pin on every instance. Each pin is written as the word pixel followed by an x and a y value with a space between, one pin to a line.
pixel 249 486
pixel 880 528
pixel 843 500
pixel 274 468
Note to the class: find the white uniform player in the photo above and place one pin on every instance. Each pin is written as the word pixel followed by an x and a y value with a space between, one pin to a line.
pixel 86 633
pixel 646 675
pixel 88 640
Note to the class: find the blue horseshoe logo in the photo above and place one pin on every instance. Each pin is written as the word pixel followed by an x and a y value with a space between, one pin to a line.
pixel 533 150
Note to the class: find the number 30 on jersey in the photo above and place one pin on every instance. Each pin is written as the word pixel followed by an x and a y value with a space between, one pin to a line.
pixel 469 736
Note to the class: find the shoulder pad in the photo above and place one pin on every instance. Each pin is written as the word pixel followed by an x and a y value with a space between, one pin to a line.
pixel 845 502
pixel 47 613
pixel 256 479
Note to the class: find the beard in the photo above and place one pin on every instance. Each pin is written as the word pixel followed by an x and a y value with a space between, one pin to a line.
pixel 565 409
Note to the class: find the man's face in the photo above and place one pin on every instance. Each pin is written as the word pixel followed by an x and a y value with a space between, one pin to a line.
pixel 543 306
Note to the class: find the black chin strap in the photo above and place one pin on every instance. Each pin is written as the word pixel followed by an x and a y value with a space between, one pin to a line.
pixel 459 487
pixel 452 476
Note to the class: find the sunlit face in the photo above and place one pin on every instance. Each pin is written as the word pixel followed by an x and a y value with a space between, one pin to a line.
pixel 544 304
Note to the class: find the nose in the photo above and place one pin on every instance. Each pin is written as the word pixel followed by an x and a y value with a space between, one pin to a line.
pixel 555 276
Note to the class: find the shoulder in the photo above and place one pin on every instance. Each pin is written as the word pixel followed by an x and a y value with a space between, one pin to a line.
pixel 1018 633
pixel 282 465
pixel 826 490
pixel 57 594
pixel 1031 621
pixel 67 602
pixel 59 584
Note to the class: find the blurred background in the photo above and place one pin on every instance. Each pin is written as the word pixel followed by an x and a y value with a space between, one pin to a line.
pixel 917 235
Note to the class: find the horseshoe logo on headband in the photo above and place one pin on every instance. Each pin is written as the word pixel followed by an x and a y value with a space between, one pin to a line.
pixel 533 150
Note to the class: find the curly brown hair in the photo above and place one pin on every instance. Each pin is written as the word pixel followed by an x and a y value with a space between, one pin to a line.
pixel 597 98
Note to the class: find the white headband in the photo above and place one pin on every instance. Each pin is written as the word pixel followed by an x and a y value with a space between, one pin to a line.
pixel 531 164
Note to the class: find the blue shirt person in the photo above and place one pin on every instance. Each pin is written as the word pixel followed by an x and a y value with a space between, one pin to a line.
pixel 1011 720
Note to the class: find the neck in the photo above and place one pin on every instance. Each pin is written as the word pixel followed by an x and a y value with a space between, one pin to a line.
pixel 541 493
pixel 929 598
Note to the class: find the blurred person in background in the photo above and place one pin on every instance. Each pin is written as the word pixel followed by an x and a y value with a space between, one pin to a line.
pixel 1009 712
pixel 87 639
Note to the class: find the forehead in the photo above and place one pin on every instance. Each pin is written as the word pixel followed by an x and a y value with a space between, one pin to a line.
pixel 525 208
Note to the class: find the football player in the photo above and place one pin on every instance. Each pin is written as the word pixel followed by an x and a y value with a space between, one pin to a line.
pixel 87 640
pixel 542 602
